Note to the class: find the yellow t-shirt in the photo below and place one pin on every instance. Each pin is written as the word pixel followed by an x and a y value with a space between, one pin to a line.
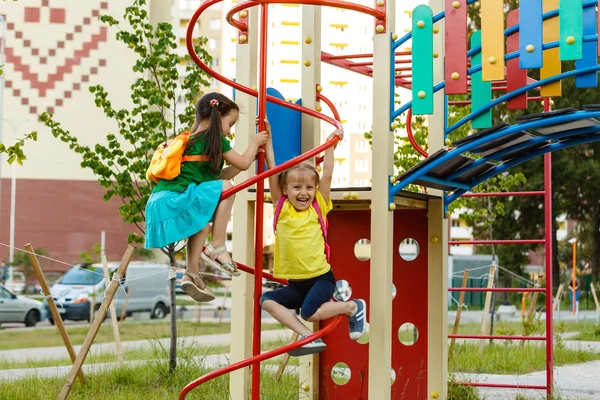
pixel 299 243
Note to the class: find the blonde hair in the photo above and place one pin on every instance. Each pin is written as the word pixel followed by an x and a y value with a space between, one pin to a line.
pixel 303 168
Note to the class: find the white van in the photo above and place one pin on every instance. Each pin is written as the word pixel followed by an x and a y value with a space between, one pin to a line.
pixel 146 282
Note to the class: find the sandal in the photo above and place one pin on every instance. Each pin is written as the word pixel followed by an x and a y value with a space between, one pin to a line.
pixel 192 288
pixel 228 267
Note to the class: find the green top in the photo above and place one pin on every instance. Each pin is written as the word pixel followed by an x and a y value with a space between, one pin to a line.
pixel 194 172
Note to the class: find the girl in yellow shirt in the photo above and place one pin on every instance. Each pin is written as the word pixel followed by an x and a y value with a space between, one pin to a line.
pixel 302 201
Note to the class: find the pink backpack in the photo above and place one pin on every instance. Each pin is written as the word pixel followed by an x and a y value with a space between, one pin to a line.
pixel 323 222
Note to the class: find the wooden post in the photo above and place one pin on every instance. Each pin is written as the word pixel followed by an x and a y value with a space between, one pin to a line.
pixel 596 302
pixel 227 285
pixel 123 311
pixel 92 306
pixel 558 294
pixel 51 305
pixel 285 359
pixel 89 339
pixel 461 300
pixel 530 314
pixel 486 309
pixel 113 315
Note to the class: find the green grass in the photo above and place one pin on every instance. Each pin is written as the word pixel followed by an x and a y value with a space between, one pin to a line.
pixel 511 359
pixel 589 331
pixel 11 339
pixel 151 381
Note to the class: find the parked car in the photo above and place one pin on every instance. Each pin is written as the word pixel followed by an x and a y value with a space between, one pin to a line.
pixel 15 308
pixel 146 282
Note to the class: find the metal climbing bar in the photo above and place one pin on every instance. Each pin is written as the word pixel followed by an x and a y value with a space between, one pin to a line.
pixel 500 290
pixel 501 337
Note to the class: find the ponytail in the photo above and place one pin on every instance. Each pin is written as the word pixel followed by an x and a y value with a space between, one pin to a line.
pixel 211 107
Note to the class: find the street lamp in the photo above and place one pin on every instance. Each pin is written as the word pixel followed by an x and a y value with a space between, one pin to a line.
pixel 574 288
pixel 13 196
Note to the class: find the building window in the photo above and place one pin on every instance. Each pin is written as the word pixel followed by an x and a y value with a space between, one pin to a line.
pixel 214 24
pixel 214 44
pixel 361 146
pixel 360 165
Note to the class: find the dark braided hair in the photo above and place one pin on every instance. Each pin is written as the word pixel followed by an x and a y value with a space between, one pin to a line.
pixel 211 106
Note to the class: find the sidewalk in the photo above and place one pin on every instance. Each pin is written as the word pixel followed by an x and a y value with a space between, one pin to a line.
pixel 573 382
pixel 58 352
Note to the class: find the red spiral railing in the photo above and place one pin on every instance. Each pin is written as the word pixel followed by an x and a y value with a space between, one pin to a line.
pixel 258 179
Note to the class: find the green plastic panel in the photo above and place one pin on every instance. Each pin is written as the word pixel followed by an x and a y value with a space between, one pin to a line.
pixel 422 60
pixel 481 92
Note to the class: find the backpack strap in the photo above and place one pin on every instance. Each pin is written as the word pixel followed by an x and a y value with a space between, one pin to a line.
pixel 323 222
pixel 197 158
pixel 278 208
pixel 324 226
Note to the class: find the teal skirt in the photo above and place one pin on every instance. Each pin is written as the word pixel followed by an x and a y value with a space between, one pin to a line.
pixel 173 216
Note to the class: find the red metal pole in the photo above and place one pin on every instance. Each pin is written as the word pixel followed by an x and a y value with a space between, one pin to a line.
pixel 260 200
pixel 548 222
pixel 500 385
pixel 518 241
pixel 262 357
pixel 485 289
pixel 411 138
pixel 504 194
pixel 502 337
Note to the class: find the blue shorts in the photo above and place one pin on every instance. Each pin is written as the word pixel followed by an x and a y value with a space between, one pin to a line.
pixel 308 295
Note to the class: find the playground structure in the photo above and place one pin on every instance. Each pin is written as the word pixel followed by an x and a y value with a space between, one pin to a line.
pixel 387 215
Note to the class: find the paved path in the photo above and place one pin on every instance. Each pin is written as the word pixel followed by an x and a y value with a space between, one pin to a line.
pixel 581 381
pixel 60 352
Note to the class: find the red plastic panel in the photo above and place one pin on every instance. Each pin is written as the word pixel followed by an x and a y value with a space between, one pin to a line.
pixel 455 26
pixel 410 305
pixel 516 77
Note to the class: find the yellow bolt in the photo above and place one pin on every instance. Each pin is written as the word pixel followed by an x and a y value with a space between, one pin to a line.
pixel 448 142
pixel 393 180
pixel 244 14
pixel 530 48
pixel 254 87
pixel 354 196
pixel 436 29
pixel 447 214
pixel 570 39
pixel 394 125
pixel 379 28
pixel 492 60
pixel 455 76
pixel 306 388
pixel 307 63
pixel 346 196
pixel 319 168
pixel 392 206
pixel 421 24
pixel 435 54
pixel 319 88
pixel 456 4
pixel 319 108
pixel 380 3
pixel 243 38
pixel 421 94
pixel 394 36
pixel 308 40
pixel 434 395
pixel 435 239
pixel 408 49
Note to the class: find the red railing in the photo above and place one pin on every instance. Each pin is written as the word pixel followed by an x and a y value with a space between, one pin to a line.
pixel 547 192
pixel 258 179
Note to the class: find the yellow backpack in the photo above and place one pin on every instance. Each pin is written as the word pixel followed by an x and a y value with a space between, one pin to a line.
pixel 167 159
